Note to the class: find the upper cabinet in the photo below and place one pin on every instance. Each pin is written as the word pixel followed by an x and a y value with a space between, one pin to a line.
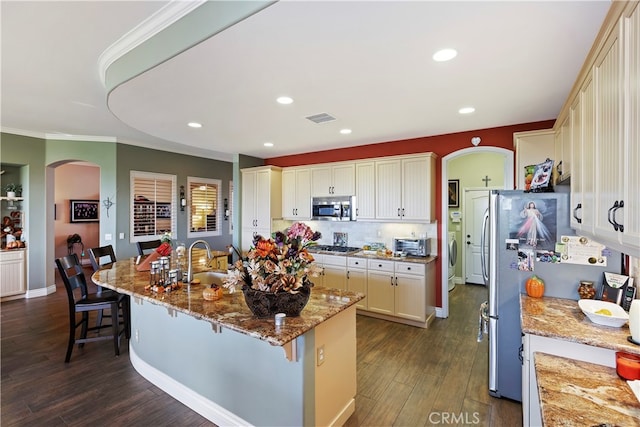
pixel 365 190
pixel 531 148
pixel 405 188
pixel 604 125
pixel 296 194
pixel 261 201
pixel 337 179
pixel 395 188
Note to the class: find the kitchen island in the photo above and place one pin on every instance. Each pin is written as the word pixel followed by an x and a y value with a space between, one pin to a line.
pixel 555 330
pixel 236 369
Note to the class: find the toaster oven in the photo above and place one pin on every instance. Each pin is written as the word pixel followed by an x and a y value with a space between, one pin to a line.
pixel 411 246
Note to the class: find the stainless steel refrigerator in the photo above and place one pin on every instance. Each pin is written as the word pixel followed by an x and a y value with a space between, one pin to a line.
pixel 521 236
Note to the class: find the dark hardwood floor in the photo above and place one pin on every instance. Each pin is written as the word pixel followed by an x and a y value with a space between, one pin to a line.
pixel 406 376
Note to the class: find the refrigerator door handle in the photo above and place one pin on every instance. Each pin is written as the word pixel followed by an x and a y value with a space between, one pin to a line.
pixel 483 242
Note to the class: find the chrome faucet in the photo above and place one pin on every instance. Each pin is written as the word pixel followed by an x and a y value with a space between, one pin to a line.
pixel 189 267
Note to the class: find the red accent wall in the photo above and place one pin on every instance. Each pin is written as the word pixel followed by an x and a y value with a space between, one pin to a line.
pixel 442 145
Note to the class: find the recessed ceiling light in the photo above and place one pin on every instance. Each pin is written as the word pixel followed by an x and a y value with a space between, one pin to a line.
pixel 345 131
pixel 268 144
pixel 194 125
pixel 444 55
pixel 466 110
pixel 284 100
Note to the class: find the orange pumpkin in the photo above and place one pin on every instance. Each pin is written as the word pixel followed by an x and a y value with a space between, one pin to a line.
pixel 534 287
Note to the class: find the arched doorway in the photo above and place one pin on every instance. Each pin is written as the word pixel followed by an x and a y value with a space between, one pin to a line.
pixel 508 184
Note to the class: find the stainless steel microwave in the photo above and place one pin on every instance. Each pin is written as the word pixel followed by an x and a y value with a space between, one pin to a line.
pixel 336 208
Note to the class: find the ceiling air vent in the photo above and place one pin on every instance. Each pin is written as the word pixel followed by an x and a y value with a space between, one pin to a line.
pixel 321 118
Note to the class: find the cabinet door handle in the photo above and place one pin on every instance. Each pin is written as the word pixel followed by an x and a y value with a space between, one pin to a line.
pixel 402 211
pixel 615 205
pixel 398 211
pixel 617 226
pixel 575 213
pixel 391 280
pixel 348 275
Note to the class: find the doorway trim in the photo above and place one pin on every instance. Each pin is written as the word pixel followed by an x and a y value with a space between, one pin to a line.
pixel 443 311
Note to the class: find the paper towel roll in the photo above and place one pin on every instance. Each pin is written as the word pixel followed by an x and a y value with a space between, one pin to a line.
pixel 634 320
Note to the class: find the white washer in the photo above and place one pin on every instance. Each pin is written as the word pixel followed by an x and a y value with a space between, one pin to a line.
pixel 453 257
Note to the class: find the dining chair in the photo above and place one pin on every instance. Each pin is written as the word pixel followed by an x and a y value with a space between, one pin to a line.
pixel 101 257
pixel 81 301
pixel 145 246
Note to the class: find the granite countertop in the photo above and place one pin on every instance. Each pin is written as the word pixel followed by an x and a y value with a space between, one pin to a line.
pixel 230 311
pixel 361 254
pixel 562 319
pixel 576 393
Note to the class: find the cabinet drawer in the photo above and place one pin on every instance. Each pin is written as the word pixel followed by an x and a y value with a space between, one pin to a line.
pixel 338 260
pixel 410 268
pixel 357 262
pixel 15 255
pixel 380 265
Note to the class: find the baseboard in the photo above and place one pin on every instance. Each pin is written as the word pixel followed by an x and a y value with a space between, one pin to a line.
pixel 205 407
pixel 343 416
pixel 40 292
pixel 415 323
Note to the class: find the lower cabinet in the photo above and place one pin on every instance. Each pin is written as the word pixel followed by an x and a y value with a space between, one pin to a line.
pixel 334 271
pixel 357 279
pixel 401 290
pixel 12 272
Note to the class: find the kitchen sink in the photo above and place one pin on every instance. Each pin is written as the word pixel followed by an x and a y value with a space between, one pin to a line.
pixel 210 277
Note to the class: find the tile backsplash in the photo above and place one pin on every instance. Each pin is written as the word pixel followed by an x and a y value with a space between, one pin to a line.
pixel 360 233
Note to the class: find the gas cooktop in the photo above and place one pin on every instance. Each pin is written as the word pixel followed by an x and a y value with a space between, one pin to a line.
pixel 333 248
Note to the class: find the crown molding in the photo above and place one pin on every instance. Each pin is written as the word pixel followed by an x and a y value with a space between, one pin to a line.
pixel 23 132
pixel 87 138
pixel 163 18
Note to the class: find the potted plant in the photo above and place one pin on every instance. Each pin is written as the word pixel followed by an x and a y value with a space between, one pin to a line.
pixel 12 189
pixel 274 275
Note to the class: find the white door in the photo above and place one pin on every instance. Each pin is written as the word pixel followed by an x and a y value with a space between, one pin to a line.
pixel 475 205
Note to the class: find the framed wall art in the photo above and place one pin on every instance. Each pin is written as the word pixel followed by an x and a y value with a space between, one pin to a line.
pixel 454 193
pixel 85 210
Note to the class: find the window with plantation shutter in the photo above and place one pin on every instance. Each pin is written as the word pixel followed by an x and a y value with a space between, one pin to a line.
pixel 153 208
pixel 204 207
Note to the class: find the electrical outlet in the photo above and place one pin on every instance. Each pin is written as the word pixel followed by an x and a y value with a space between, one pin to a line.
pixel 137 336
pixel 320 358
pixel 107 237
pixel 121 236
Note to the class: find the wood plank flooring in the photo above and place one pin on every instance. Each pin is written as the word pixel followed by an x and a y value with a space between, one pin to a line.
pixel 406 376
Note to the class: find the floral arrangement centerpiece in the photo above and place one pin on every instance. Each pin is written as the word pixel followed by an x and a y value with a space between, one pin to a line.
pixel 276 271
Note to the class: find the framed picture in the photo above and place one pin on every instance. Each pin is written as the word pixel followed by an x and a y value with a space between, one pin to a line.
pixel 85 210
pixel 454 193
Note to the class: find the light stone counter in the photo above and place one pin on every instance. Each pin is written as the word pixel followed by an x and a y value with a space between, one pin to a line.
pixel 562 319
pixel 231 311
pixel 575 393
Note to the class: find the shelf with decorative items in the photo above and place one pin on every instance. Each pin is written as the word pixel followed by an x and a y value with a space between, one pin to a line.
pixel 12 202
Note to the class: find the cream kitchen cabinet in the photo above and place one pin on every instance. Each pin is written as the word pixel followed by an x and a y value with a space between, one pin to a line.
pixel 261 201
pixel 296 194
pixel 12 272
pixel 562 143
pixel 336 179
pixel 399 289
pixel 405 188
pixel 583 159
pixel 365 190
pixel 532 147
pixel 334 271
pixel 357 279
pixel 605 200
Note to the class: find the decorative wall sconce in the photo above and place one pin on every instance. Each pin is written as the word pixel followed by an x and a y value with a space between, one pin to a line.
pixel 183 201
pixel 475 141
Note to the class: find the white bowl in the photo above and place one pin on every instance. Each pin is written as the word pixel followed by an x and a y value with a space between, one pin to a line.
pixel 618 316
